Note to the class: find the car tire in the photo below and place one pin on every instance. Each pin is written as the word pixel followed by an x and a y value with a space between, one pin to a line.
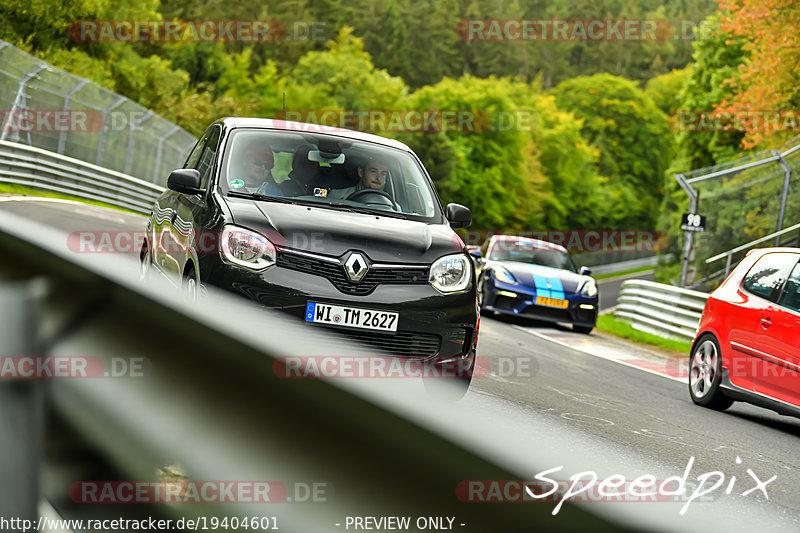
pixel 189 287
pixel 705 374
pixel 482 299
pixel 582 329
pixel 144 263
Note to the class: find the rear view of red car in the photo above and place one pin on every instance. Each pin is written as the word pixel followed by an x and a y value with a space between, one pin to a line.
pixel 748 345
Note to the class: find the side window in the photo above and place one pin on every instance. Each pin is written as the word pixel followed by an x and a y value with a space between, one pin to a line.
pixel 206 162
pixel 791 292
pixel 191 161
pixel 764 279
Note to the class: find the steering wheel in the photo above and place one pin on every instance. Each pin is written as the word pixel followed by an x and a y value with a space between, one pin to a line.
pixel 363 192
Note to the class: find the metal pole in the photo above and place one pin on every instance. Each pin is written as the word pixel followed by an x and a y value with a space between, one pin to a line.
pixel 728 265
pixel 62 138
pixel 688 240
pixel 19 99
pixel 101 143
pixel 20 406
pixel 787 176
pixel 160 151
pixel 132 140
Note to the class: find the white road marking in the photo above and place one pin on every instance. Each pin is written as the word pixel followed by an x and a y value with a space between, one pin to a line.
pixel 609 353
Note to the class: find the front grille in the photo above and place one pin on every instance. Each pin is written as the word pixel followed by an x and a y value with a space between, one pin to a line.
pixel 547 313
pixel 504 302
pixel 336 275
pixel 403 344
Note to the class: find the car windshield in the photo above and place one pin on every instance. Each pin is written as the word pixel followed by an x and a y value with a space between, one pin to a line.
pixel 336 171
pixel 532 253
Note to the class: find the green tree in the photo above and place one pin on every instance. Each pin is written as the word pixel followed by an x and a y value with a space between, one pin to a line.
pixel 632 137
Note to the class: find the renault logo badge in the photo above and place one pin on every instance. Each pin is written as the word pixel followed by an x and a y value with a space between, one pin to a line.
pixel 356 267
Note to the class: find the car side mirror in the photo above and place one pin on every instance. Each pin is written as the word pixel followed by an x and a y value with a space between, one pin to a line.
pixel 185 181
pixel 586 271
pixel 458 216
pixel 476 254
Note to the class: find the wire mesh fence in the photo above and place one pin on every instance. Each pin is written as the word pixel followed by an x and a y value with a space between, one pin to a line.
pixel 43 106
pixel 743 201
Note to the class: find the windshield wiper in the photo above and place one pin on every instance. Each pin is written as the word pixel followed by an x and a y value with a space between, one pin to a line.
pixel 259 196
pixel 365 210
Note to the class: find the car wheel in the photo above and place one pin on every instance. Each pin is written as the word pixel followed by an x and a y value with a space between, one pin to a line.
pixel 482 299
pixel 582 329
pixel 189 286
pixel 144 264
pixel 705 374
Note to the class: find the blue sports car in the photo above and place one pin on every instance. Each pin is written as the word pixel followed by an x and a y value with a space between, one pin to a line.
pixel 536 279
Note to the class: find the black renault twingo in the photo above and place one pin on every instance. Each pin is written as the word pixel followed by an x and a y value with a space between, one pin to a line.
pixel 341 229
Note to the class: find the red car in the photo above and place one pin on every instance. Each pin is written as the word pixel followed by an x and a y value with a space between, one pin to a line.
pixel 748 345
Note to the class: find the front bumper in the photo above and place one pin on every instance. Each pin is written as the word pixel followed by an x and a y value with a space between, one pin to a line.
pixel 430 324
pixel 581 311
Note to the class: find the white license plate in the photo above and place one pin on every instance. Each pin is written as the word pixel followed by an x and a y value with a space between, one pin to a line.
pixel 351 317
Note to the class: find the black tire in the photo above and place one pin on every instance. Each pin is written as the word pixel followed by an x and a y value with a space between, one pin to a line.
pixel 582 329
pixel 705 374
pixel 482 299
pixel 189 285
pixel 145 263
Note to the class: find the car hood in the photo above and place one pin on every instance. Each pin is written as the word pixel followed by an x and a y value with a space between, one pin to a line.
pixel 528 274
pixel 333 232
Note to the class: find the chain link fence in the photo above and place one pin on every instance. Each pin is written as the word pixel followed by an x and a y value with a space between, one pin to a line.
pixel 43 106
pixel 742 200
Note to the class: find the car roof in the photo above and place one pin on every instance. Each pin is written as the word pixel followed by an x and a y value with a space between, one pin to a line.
pixel 536 242
pixel 287 125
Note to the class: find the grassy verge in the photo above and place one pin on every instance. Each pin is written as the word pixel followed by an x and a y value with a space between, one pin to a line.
pixel 624 272
pixel 12 188
pixel 609 324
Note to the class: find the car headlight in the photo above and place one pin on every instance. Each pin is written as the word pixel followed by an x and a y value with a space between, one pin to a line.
pixel 589 289
pixel 245 248
pixel 501 274
pixel 450 273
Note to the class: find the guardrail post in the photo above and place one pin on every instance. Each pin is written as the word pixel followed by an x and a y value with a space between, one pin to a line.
pixel 688 241
pixel 104 130
pixel 132 141
pixel 20 406
pixel 787 176
pixel 62 138
pixel 20 96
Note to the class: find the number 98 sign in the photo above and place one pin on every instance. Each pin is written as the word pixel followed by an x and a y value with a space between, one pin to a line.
pixel 693 222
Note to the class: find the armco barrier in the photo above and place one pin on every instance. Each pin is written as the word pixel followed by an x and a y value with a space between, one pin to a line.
pixel 663 310
pixel 41 169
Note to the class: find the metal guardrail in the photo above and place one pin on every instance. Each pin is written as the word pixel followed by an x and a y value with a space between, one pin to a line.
pixel 748 245
pixel 664 310
pixel 44 170
pixel 213 404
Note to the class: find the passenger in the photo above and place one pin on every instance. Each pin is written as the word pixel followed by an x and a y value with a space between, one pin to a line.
pixel 372 175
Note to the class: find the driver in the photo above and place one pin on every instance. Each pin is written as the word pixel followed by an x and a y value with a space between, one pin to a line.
pixel 371 176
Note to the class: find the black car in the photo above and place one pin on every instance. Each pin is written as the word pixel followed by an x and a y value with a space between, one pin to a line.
pixel 341 229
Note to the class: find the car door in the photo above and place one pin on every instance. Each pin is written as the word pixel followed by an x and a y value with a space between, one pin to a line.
pixel 778 336
pixel 753 319
pixel 191 208
pixel 170 243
